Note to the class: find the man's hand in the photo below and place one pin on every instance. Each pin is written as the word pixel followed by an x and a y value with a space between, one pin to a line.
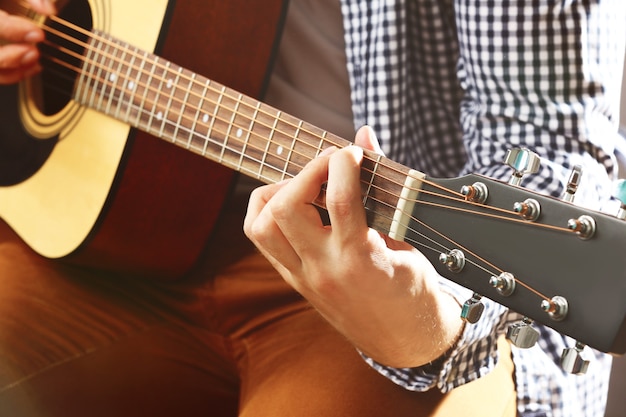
pixel 383 295
pixel 19 57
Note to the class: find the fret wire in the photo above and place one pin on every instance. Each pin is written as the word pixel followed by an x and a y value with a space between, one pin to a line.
pixel 214 117
pixel 246 141
pixel 156 92
pixel 149 77
pixel 269 141
pixel 198 112
pixel 119 98
pixel 96 68
pixel 292 147
pixel 131 83
pixel 320 146
pixel 117 79
pixel 81 82
pixel 230 125
pixel 183 105
pixel 102 94
pixel 371 181
pixel 165 112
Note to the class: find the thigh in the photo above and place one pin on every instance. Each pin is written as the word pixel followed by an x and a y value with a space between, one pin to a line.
pixel 293 363
pixel 79 343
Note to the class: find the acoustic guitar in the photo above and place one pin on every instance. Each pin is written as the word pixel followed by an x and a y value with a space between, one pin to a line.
pixel 94 182
pixel 546 258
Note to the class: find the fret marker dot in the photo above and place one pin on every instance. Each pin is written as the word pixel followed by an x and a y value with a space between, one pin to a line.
pixel 205 118
pixel 279 151
pixel 159 116
pixel 112 77
pixel 131 85
pixel 170 83
pixel 239 133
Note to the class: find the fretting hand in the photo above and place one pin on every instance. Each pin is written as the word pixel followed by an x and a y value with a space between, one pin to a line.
pixel 381 294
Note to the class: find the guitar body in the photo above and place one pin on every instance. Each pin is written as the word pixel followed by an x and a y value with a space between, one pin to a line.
pixel 78 185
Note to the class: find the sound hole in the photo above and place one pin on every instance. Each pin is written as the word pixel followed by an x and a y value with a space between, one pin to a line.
pixel 63 56
pixel 22 153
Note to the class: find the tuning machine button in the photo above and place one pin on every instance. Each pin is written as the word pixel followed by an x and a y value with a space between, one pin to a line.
pixel 453 260
pixel 477 192
pixel 572 360
pixel 503 283
pixel 584 226
pixel 619 193
pixel 523 161
pixel 522 334
pixel 556 308
pixel 572 183
pixel 472 309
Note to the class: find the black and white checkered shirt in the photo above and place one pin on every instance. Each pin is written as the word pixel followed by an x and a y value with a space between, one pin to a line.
pixel 449 86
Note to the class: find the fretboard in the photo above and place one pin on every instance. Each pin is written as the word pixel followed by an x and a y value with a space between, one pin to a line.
pixel 216 122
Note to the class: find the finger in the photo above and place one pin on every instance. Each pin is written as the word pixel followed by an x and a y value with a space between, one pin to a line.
pixel 261 228
pixel 12 76
pixel 344 198
pixel 45 7
pixel 366 138
pixel 19 30
pixel 15 56
pixel 294 212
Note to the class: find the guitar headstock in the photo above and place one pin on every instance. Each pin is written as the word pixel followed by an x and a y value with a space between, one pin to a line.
pixel 551 261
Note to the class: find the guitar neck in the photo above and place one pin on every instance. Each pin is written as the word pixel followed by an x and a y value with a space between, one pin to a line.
pixel 219 123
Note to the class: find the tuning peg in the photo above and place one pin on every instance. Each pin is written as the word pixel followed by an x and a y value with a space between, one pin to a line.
pixel 584 226
pixel 453 260
pixel 522 334
pixel 523 161
pixel 556 308
pixel 503 283
pixel 472 309
pixel 572 183
pixel 477 192
pixel 530 209
pixel 620 194
pixel 572 360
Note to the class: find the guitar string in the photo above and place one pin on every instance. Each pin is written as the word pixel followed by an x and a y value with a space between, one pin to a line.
pixel 217 91
pixel 447 238
pixel 239 101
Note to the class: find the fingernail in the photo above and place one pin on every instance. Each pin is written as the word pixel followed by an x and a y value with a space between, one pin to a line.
pixel 371 132
pixel 29 58
pixel 328 151
pixel 46 6
pixel 33 36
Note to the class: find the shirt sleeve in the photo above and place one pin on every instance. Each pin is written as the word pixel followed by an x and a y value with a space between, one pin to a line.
pixel 450 86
